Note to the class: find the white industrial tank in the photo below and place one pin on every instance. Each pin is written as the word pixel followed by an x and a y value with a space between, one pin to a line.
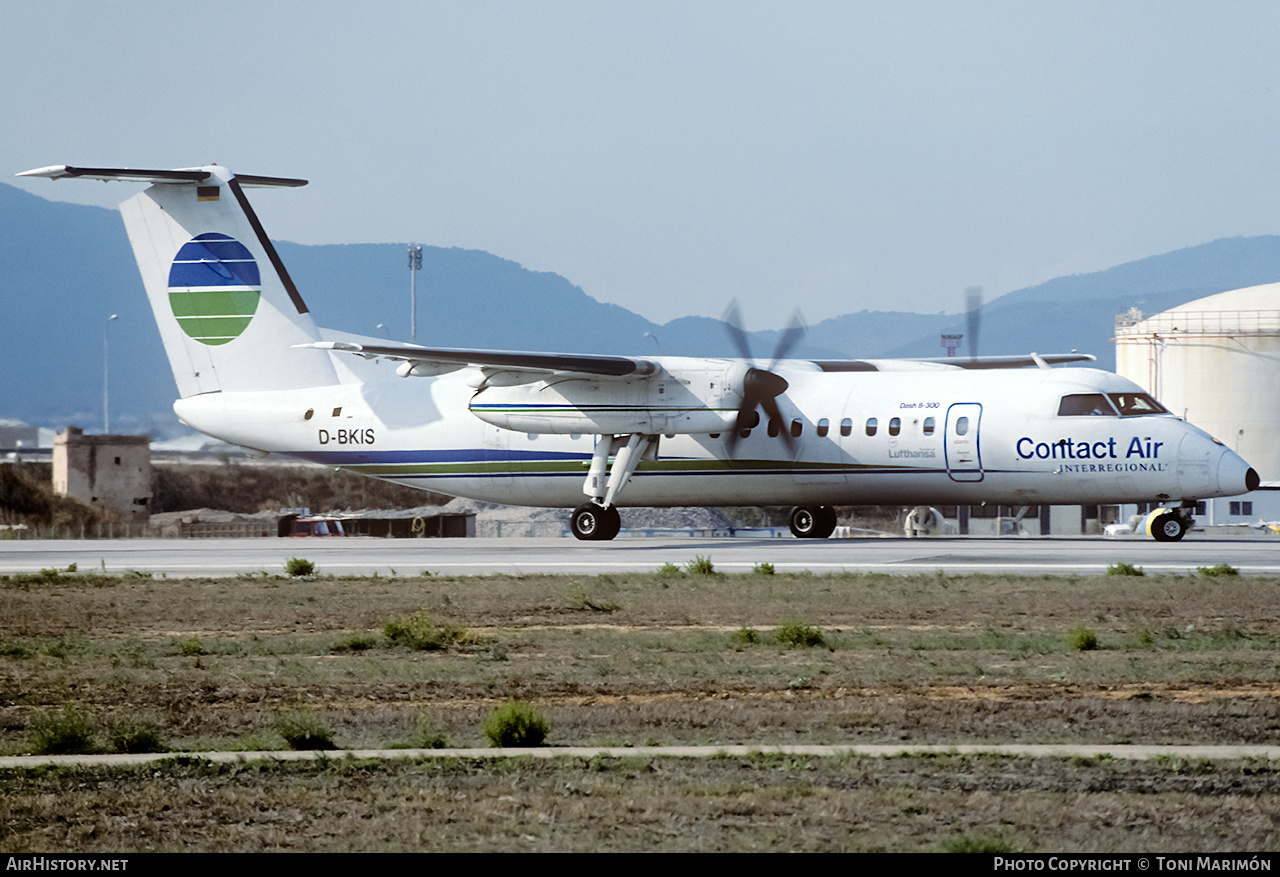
pixel 1215 362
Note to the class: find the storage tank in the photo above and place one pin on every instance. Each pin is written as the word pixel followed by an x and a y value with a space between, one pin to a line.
pixel 1215 362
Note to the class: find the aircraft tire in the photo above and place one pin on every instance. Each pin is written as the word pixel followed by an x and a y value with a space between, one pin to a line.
pixel 1168 527
pixel 593 523
pixel 812 522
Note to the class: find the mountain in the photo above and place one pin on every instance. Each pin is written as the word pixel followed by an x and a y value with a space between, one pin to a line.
pixel 67 268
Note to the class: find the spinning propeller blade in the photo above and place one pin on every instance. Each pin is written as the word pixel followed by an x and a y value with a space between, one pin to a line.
pixel 760 387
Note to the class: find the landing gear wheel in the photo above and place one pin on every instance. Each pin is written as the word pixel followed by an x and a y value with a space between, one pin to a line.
pixel 812 522
pixel 594 523
pixel 1167 527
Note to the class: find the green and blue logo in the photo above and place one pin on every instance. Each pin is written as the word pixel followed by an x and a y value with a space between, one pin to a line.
pixel 214 287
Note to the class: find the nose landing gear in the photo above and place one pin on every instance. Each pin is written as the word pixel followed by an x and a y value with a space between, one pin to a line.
pixel 1168 525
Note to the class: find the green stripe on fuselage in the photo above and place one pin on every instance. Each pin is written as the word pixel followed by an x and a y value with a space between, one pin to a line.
pixel 579 467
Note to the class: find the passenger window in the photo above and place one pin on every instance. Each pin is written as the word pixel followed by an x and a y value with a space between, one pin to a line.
pixel 846 426
pixel 872 423
pixel 928 426
pixel 823 426
pixel 774 428
pixel 962 426
pixel 796 428
pixel 895 426
pixel 1085 405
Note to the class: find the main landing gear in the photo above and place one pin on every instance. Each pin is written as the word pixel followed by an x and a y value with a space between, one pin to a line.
pixel 1169 525
pixel 591 522
pixel 598 520
pixel 812 522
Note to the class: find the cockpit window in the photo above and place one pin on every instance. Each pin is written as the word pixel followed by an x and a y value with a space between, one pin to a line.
pixel 1085 405
pixel 1134 404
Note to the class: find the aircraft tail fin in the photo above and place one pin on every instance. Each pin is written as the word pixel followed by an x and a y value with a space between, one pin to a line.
pixel 229 314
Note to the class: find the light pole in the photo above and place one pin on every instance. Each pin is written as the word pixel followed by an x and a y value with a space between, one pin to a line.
pixel 106 361
pixel 415 265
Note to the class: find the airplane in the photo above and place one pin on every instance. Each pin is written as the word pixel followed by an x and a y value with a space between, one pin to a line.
pixel 596 433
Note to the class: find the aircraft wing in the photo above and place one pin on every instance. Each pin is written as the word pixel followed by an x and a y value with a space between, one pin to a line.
pixel 438 360
pixel 450 358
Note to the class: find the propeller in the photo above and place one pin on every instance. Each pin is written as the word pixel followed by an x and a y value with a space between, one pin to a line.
pixel 973 303
pixel 760 387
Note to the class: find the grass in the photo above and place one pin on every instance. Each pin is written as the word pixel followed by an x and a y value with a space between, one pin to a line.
pixel 762 803
pixel 1120 568
pixel 918 658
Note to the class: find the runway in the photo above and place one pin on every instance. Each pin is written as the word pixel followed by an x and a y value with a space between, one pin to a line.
pixel 521 556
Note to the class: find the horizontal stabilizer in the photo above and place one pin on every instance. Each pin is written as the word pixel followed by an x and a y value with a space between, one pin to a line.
pixel 180 176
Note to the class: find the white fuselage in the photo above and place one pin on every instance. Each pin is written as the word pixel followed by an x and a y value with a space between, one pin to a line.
pixel 865 437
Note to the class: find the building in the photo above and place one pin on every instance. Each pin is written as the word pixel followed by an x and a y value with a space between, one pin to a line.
pixel 1216 362
pixel 112 472
pixel 17 436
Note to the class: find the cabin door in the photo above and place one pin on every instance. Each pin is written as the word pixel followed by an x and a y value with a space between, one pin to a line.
pixel 964 453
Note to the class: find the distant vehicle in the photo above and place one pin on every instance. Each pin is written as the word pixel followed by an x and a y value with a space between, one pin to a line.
pixel 549 429
pixel 315 525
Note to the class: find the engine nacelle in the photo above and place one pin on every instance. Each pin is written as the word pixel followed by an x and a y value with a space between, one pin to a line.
pixel 689 400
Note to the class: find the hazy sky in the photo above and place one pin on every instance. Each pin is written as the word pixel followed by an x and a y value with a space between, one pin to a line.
pixel 669 157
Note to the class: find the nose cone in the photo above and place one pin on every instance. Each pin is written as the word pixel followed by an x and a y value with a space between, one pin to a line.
pixel 1235 476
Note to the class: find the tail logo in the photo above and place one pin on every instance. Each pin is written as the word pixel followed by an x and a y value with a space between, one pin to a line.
pixel 214 286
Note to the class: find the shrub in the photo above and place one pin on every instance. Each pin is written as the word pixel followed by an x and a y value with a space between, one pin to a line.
pixel 762 569
pixel 297 567
pixel 426 736
pixel 70 731
pixel 580 598
pixel 1082 639
pixel 515 723
pixel 798 634
pixel 700 566
pixel 668 571
pixel 1120 568
pixel 745 636
pixel 357 642
pixel 1221 569
pixel 418 631
pixel 135 734
pixel 192 648
pixel 305 730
